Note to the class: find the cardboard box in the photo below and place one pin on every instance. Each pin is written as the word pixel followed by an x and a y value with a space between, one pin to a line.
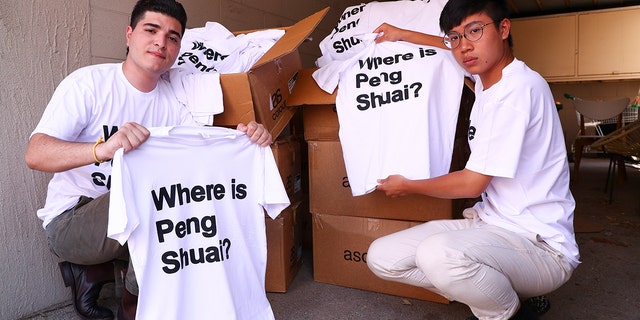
pixel 284 249
pixel 320 122
pixel 329 192
pixel 320 119
pixel 287 153
pixel 340 245
pixel 261 94
pixel 308 93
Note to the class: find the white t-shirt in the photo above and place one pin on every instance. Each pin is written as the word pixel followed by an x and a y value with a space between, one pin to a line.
pixel 398 110
pixel 345 40
pixel 515 135
pixel 91 102
pixel 213 48
pixel 397 102
pixel 190 204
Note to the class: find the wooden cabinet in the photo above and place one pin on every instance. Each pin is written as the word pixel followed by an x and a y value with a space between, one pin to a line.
pixel 591 45
pixel 609 43
pixel 547 45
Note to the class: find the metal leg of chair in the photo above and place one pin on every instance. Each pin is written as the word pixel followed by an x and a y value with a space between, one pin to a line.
pixel 612 180
pixel 577 157
pixel 622 172
pixel 611 167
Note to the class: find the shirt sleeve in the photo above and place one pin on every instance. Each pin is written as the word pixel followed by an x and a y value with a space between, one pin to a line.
pixel 68 112
pixel 121 224
pixel 497 135
pixel 275 195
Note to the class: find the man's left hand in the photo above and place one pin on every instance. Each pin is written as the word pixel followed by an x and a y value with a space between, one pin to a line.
pixel 257 133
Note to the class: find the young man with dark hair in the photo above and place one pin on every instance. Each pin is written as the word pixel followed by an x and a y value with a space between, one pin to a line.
pixel 95 111
pixel 518 242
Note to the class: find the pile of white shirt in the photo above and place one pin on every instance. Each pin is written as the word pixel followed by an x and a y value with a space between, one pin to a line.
pixel 207 52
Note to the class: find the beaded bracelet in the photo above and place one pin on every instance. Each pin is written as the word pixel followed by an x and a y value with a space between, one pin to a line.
pixel 100 140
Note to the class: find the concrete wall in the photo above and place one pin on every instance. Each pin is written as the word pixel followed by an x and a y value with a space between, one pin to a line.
pixel 41 41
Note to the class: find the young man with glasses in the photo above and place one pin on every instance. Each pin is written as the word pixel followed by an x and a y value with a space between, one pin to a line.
pixel 518 242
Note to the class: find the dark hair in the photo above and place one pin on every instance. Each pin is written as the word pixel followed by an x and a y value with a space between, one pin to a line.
pixel 170 8
pixel 457 10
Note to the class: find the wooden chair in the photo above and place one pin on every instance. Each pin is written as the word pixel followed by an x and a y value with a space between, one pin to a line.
pixel 620 145
pixel 590 113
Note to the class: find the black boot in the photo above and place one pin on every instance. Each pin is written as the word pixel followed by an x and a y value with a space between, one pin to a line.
pixel 86 283
pixel 128 305
pixel 539 304
pixel 525 312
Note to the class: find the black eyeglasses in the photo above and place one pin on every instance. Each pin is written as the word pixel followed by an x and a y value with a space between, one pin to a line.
pixel 472 32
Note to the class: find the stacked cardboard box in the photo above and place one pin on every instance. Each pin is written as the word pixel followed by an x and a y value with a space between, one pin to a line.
pixel 284 234
pixel 261 94
pixel 344 226
pixel 284 248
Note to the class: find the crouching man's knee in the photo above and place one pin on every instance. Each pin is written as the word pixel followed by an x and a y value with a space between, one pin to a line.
pixel 377 259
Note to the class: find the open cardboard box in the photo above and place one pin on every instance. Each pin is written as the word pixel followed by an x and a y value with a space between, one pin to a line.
pixel 262 93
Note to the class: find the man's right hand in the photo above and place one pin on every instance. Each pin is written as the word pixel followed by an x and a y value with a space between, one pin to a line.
pixel 387 32
pixel 129 136
pixel 50 154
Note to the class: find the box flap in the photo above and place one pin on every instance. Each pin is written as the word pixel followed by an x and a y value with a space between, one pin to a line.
pixel 270 87
pixel 293 37
pixel 307 92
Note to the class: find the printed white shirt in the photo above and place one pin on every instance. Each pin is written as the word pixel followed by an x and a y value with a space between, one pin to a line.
pixel 515 136
pixel 190 204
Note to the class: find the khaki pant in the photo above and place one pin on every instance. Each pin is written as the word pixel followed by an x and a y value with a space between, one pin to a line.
pixel 79 235
pixel 465 260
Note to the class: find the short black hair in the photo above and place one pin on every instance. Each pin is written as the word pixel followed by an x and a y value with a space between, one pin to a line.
pixel 170 8
pixel 457 10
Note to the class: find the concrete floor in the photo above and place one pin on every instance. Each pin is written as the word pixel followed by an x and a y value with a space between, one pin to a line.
pixel 605 286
